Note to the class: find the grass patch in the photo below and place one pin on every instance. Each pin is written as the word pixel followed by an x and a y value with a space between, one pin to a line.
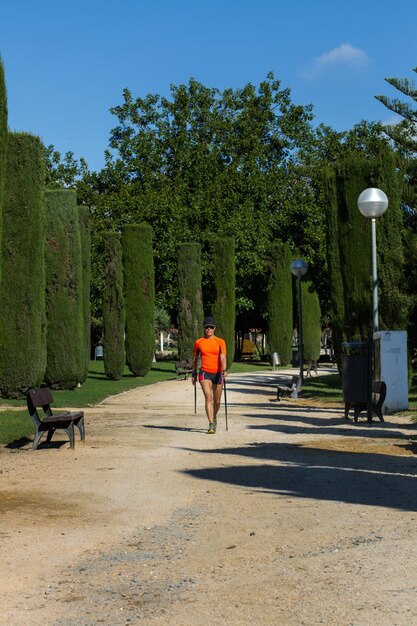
pixel 327 388
pixel 250 366
pixel 16 425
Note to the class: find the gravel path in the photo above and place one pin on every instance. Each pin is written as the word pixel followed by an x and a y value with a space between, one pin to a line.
pixel 292 516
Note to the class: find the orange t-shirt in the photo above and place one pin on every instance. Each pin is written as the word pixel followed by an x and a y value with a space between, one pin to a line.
pixel 210 350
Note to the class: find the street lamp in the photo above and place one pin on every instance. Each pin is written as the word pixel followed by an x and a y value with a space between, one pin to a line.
pixel 373 203
pixel 299 268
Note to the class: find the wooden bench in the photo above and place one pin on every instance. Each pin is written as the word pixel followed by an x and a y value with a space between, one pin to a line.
pixel 291 388
pixel 51 422
pixel 379 393
pixel 182 369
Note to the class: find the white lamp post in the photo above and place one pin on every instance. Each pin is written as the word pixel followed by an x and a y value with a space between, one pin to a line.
pixel 373 203
pixel 298 269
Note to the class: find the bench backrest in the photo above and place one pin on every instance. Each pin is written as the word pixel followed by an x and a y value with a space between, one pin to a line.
pixel 39 397
pixel 296 382
pixel 183 365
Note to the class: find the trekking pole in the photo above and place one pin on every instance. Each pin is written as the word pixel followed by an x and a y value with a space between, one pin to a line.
pixel 195 380
pixel 225 401
pixel 195 396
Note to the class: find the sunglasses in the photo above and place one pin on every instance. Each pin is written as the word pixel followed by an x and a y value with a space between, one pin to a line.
pixel 209 327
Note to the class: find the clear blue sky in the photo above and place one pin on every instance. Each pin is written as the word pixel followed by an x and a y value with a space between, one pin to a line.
pixel 67 61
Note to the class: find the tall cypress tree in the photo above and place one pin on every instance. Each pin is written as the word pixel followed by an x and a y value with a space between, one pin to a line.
pixel 354 247
pixel 328 187
pixel 22 311
pixel 64 291
pixel 225 283
pixel 3 137
pixel 394 304
pixel 114 313
pixel 280 302
pixel 85 240
pixel 311 322
pixel 139 284
pixel 190 305
pixel 349 247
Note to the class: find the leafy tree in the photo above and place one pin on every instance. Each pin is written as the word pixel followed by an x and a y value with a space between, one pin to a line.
pixel 138 276
pixel 22 339
pixel 114 312
pixel 280 302
pixel 64 291
pixel 162 323
pixel 63 172
pixel 225 285
pixel 203 162
pixel 404 133
pixel 403 136
pixel 190 305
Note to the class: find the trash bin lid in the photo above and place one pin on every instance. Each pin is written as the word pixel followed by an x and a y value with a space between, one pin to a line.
pixel 354 347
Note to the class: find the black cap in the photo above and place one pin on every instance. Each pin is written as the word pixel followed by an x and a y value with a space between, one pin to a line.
pixel 209 321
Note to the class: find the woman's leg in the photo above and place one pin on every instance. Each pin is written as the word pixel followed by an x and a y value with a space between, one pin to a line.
pixel 207 387
pixel 217 398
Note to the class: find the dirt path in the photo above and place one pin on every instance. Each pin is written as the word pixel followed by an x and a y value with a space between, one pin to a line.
pixel 292 516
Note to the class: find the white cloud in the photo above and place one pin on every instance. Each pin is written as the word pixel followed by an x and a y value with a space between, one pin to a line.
pixel 343 56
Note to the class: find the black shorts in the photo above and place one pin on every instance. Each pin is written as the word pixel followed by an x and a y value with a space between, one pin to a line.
pixel 216 379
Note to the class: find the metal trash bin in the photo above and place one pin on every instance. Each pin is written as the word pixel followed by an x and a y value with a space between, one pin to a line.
pixel 356 372
pixel 275 360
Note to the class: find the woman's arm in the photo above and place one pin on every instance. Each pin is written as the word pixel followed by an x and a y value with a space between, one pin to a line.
pixel 223 363
pixel 194 366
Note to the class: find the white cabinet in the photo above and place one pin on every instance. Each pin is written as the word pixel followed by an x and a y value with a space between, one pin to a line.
pixel 390 365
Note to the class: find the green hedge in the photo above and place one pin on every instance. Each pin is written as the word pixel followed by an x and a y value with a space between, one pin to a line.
pixel 139 282
pixel 114 313
pixel 22 311
pixel 64 291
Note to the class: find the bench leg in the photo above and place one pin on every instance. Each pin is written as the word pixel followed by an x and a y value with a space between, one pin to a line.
pixel 36 441
pixel 80 425
pixel 70 433
pixel 50 433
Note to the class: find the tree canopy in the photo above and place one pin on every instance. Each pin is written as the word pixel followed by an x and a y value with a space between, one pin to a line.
pixel 206 162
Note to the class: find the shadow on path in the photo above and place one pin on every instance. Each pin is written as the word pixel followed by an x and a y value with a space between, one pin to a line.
pixel 180 428
pixel 307 472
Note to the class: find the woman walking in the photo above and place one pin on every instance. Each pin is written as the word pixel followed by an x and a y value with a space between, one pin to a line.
pixel 213 369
